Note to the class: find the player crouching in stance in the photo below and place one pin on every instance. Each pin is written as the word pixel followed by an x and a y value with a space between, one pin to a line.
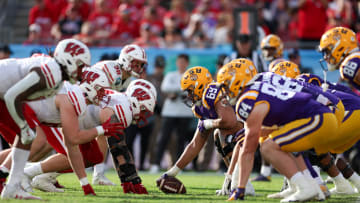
pixel 209 103
pixel 29 79
pixel 298 123
pixel 133 106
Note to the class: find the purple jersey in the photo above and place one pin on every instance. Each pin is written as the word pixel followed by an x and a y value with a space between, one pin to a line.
pixel 212 94
pixel 349 69
pixel 286 83
pixel 284 106
pixel 318 81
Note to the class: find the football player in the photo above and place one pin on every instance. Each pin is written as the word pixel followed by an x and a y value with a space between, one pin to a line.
pixel 209 103
pixel 272 51
pixel 340 50
pixel 64 109
pixel 133 106
pixel 132 61
pixel 32 79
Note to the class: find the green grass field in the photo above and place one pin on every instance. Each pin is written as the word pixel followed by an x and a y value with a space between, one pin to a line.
pixel 200 188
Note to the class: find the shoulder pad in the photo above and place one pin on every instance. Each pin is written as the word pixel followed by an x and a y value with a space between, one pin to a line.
pixel 76 97
pixel 51 71
pixel 122 108
pixel 350 66
pixel 212 94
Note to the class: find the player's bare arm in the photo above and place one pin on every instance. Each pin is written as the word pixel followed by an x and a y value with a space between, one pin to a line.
pixel 252 133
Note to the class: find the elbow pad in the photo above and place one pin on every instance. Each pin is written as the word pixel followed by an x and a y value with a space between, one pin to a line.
pixel 10 96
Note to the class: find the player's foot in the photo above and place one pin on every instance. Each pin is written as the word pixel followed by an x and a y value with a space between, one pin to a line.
pixel 343 188
pixel 128 187
pixel 101 179
pixel 44 183
pixel 304 191
pixel 283 194
pixel 26 183
pixel 285 184
pixel 325 190
pixel 2 184
pixel 262 178
pixel 140 189
pixel 16 192
pixel 249 189
pixel 329 180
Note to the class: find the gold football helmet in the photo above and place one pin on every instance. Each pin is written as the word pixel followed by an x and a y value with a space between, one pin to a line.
pixel 234 76
pixel 252 68
pixel 271 47
pixel 336 44
pixel 194 81
pixel 287 68
pixel 274 63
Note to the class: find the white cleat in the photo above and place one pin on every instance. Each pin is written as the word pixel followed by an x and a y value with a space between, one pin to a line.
pixel 283 194
pixel 344 188
pixel 26 183
pixel 45 183
pixel 303 192
pixel 325 190
pixel 249 189
pixel 102 180
pixel 16 192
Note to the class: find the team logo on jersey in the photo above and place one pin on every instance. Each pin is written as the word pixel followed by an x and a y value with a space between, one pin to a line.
pixel 74 49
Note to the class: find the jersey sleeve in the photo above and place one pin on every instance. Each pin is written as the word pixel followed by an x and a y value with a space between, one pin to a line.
pixel 349 69
pixel 52 73
pixel 212 94
pixel 77 99
pixel 245 104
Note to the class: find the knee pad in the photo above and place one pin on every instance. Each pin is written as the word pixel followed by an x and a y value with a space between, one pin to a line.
pixel 128 173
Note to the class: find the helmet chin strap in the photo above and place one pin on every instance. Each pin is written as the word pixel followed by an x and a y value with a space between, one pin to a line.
pixel 325 86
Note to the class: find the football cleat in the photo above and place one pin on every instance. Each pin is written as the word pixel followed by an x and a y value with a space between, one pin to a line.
pixel 128 187
pixel 325 190
pixel 16 192
pixel 262 178
pixel 44 183
pixel 237 194
pixel 26 183
pixel 140 189
pixel 101 179
pixel 304 191
pixel 291 189
pixel 2 184
pixel 343 188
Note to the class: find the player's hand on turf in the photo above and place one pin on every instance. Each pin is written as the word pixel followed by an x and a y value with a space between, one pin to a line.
pixel 225 190
pixel 88 190
pixel 237 194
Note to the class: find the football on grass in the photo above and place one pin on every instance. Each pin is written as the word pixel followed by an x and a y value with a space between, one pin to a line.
pixel 171 185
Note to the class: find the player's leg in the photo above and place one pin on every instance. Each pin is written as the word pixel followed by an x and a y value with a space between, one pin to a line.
pixel 99 177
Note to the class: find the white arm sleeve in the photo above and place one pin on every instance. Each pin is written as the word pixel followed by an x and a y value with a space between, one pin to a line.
pixel 28 81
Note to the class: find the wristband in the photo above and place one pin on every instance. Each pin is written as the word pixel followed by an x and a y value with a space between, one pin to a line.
pixel 208 124
pixel 84 181
pixel 100 130
pixel 173 171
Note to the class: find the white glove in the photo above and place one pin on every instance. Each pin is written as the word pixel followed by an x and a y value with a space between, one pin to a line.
pixel 225 190
pixel 27 135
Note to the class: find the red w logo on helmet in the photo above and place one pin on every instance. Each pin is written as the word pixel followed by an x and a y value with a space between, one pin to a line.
pixel 74 49
pixel 129 49
pixel 140 94
pixel 89 76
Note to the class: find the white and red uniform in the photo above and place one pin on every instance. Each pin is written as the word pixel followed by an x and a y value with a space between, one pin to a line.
pixel 12 71
pixel 90 119
pixel 113 73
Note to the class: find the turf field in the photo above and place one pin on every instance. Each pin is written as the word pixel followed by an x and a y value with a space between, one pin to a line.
pixel 200 188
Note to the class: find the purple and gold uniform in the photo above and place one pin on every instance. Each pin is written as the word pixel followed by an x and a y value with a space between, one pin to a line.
pixel 349 69
pixel 349 129
pixel 300 122
pixel 299 86
pixel 212 94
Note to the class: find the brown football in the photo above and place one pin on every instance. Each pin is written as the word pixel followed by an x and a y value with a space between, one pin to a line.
pixel 171 185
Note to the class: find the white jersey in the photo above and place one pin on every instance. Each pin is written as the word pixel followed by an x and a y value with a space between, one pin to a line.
pixel 118 102
pixel 113 73
pixel 13 70
pixel 47 112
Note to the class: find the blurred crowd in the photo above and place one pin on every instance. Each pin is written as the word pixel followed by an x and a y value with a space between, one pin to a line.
pixel 182 23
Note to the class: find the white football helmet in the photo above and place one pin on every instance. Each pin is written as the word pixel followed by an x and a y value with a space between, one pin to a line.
pixel 113 72
pixel 73 55
pixel 142 103
pixel 144 83
pixel 94 82
pixel 133 59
